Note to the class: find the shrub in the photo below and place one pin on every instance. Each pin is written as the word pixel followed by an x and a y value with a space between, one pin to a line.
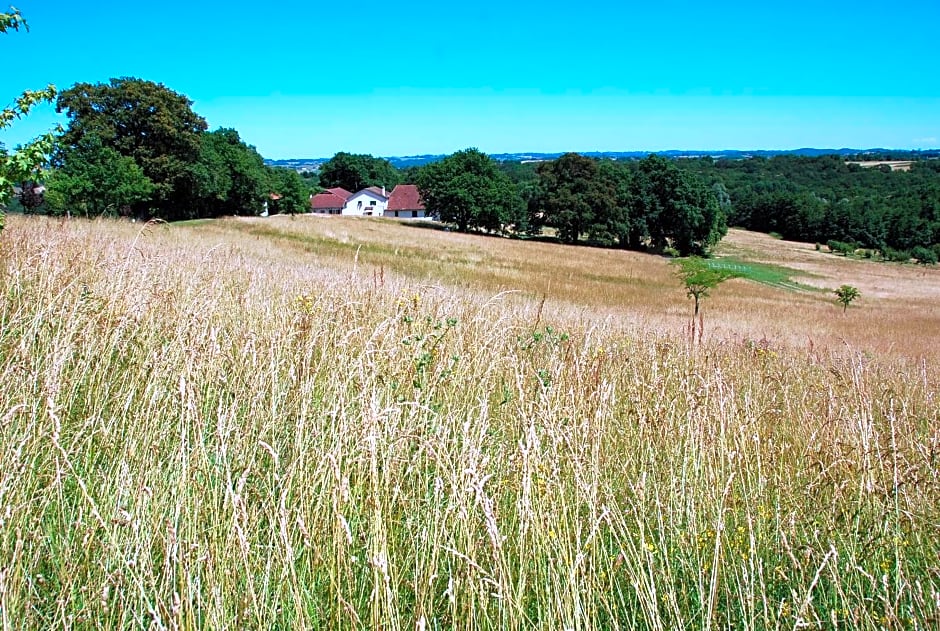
pixel 895 256
pixel 841 247
pixel 924 256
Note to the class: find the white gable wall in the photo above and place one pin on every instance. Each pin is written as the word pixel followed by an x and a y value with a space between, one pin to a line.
pixel 366 202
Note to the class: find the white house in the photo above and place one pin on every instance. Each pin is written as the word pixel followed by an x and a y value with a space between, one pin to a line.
pixel 368 201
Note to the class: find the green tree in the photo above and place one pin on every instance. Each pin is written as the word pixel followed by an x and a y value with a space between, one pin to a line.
pixel 24 164
pixel 699 279
pixel 845 295
pixel 355 172
pixel 231 175
pixel 94 180
pixel 619 219
pixel 674 208
pixel 574 198
pixel 468 190
pixel 292 195
pixel 149 123
pixel 823 198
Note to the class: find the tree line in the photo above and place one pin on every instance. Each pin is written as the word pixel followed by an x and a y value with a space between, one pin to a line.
pixel 654 206
pixel 136 148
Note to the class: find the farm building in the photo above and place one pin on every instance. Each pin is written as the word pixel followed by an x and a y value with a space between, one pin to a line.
pixel 330 202
pixel 405 202
pixel 370 201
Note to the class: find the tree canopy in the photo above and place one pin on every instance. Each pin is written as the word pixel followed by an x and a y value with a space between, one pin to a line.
pixel 652 203
pixel 468 190
pixel 355 172
pixel 231 175
pixel 148 123
pixel 574 196
pixel 826 198
pixel 291 194
pixel 674 208
pixel 135 146
pixel 96 180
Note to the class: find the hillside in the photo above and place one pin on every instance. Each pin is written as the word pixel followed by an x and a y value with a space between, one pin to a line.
pixel 899 312
pixel 347 423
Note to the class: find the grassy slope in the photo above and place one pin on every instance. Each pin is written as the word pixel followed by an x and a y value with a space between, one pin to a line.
pixel 330 423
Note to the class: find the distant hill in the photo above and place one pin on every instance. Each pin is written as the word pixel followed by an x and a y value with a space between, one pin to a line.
pixel 401 162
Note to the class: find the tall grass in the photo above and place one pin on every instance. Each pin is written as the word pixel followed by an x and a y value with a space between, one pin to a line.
pixel 199 431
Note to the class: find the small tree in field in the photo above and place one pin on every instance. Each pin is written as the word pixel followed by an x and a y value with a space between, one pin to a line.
pixel 845 295
pixel 699 278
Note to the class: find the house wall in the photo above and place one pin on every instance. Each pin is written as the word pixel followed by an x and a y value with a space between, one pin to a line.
pixel 407 214
pixel 366 203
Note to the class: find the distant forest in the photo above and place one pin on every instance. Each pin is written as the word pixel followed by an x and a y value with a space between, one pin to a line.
pixel 821 199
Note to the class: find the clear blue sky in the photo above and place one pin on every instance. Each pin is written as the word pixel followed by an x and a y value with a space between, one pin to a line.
pixel 308 79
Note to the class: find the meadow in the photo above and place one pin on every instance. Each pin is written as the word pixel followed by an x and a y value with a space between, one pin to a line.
pixel 312 422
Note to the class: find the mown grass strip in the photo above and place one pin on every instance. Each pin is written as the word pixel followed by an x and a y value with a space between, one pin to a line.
pixel 772 275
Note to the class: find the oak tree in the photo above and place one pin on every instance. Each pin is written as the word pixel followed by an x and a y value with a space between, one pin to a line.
pixel 468 190
pixel 144 121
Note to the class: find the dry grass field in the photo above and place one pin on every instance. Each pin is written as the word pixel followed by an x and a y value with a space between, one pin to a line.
pixel 334 423
pixel 898 314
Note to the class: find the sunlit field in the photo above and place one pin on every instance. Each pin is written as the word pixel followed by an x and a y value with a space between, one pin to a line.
pixel 348 423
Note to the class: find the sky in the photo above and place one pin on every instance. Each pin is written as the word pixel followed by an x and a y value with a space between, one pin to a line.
pixel 309 79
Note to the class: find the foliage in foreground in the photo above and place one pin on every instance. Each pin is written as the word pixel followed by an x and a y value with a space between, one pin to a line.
pixel 24 164
pixel 197 434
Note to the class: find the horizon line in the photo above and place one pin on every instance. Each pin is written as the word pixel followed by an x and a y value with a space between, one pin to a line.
pixel 832 151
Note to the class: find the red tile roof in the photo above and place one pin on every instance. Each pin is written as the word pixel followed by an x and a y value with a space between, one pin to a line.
pixel 327 201
pixel 378 191
pixel 341 192
pixel 405 197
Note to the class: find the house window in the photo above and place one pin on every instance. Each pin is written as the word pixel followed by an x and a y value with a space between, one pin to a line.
pixel 396 213
pixel 414 213
pixel 359 207
pixel 372 203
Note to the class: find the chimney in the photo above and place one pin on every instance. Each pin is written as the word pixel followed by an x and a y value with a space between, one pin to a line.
pixel 383 192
